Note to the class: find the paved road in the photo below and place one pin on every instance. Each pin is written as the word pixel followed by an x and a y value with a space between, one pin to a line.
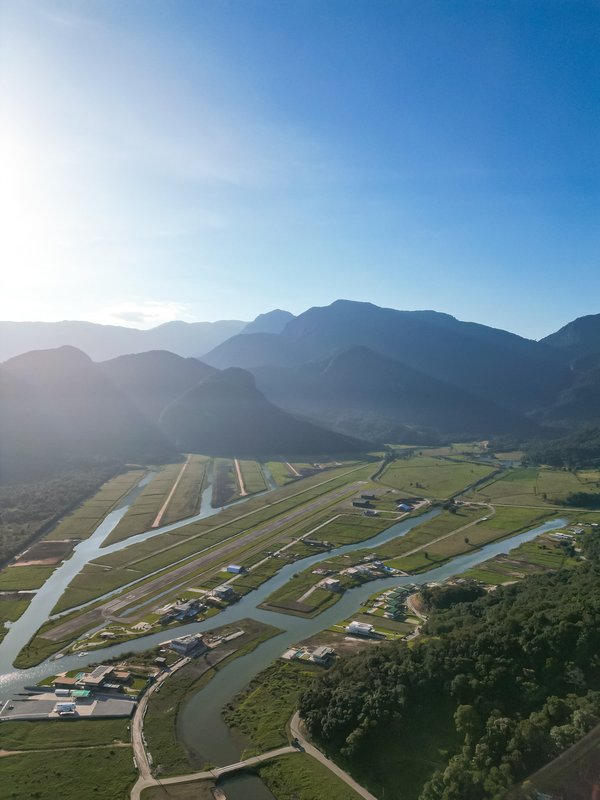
pixel 297 729
pixel 137 723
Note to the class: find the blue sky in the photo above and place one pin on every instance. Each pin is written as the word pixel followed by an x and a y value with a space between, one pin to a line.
pixel 217 158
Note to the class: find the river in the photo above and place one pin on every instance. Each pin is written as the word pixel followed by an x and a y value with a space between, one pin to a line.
pixel 200 725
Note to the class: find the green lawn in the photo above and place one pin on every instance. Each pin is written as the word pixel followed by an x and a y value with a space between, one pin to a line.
pixel 102 773
pixel 55 734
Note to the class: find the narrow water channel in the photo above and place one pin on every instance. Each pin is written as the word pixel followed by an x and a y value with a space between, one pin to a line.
pixel 200 726
pixel 46 597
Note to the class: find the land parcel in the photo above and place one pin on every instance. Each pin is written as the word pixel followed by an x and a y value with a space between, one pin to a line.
pixel 436 478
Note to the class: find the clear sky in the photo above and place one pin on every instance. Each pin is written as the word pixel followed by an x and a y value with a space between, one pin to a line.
pixel 209 159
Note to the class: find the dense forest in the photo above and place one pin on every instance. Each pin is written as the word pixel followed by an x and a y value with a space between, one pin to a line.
pixel 519 666
pixel 29 509
pixel 575 451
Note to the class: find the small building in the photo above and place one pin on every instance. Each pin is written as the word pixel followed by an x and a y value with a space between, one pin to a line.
pixel 185 645
pixel 235 569
pixel 161 662
pixel 95 679
pixel 121 676
pixel 359 628
pixel 404 507
pixel 361 503
pixel 322 655
pixel 368 495
pixel 64 683
pixel 65 709
pixel 331 584
pixel 223 592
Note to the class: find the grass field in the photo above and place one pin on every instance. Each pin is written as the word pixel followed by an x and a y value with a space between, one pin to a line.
pixel 436 478
pixel 24 577
pixel 533 486
pixel 540 555
pixel 397 553
pixel 102 773
pixel 198 790
pixel 281 473
pixel 10 611
pixel 54 734
pixel 86 518
pixel 300 777
pixel 505 522
pixel 225 483
pixel 252 476
pixel 186 499
pixel 143 512
pixel 262 711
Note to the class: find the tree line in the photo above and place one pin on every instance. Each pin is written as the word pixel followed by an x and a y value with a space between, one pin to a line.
pixel 520 665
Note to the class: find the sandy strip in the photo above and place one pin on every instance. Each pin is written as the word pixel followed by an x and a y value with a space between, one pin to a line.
pixel 243 492
pixel 165 505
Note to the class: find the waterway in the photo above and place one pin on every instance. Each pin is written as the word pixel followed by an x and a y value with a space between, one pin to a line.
pixel 46 597
pixel 200 726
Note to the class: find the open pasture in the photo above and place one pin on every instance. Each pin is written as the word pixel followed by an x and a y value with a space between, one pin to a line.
pixel 538 487
pixel 436 478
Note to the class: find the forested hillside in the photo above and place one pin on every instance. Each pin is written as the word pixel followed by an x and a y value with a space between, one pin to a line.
pixel 519 670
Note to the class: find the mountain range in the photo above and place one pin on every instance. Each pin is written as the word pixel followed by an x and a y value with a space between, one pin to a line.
pixel 102 342
pixel 333 379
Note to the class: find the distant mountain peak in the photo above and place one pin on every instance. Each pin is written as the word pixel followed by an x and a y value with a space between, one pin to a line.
pixel 269 322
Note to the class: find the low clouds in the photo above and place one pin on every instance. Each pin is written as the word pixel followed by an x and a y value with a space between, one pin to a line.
pixel 144 314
